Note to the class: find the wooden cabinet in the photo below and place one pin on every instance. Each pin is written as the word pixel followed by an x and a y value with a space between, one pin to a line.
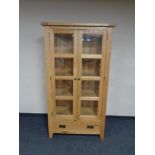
pixel 77 66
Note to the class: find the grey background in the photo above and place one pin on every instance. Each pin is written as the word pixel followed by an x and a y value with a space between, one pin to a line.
pixel 32 69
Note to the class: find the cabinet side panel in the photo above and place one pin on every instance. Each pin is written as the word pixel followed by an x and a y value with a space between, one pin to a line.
pixel 48 78
pixel 102 73
pixel 105 84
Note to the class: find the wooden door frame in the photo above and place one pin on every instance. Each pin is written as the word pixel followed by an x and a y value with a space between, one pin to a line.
pixel 101 78
pixel 53 77
pixel 106 79
pixel 48 57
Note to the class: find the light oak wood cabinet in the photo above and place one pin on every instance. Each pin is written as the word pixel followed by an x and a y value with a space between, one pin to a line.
pixel 77 57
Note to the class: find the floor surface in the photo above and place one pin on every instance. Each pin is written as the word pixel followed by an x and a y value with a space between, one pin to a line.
pixel 33 138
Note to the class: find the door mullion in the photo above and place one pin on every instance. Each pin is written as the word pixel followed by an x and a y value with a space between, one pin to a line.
pixel 79 71
pixel 75 93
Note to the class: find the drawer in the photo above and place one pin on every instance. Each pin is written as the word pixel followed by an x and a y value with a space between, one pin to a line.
pixel 76 127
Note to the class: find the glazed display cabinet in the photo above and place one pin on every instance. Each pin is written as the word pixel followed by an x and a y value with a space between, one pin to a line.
pixel 77 57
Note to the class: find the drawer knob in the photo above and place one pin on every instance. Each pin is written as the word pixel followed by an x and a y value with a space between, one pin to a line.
pixel 90 126
pixel 62 126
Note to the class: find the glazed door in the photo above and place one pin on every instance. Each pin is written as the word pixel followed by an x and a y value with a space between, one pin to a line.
pixel 63 72
pixel 90 76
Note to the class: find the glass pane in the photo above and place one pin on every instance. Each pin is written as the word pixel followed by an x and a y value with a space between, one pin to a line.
pixel 64 107
pixel 89 107
pixel 64 87
pixel 63 66
pixel 91 67
pixel 92 43
pixel 63 43
pixel 90 88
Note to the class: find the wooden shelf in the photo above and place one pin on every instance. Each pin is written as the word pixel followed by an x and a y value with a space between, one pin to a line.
pixel 89 107
pixel 63 66
pixel 63 50
pixel 63 92
pixel 92 56
pixel 64 88
pixel 91 67
pixel 64 73
pixel 88 111
pixel 90 73
pixel 64 77
pixel 89 93
pixel 58 55
pixel 89 98
pixel 92 78
pixel 64 107
pixel 90 89
pixel 64 97
pixel 63 43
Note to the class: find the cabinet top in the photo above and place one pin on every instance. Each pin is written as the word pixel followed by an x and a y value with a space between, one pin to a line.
pixel 77 24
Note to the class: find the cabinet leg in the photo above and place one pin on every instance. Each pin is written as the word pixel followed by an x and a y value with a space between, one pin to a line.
pixel 50 134
pixel 102 136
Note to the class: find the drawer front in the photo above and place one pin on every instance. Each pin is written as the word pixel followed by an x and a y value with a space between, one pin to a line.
pixel 76 127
